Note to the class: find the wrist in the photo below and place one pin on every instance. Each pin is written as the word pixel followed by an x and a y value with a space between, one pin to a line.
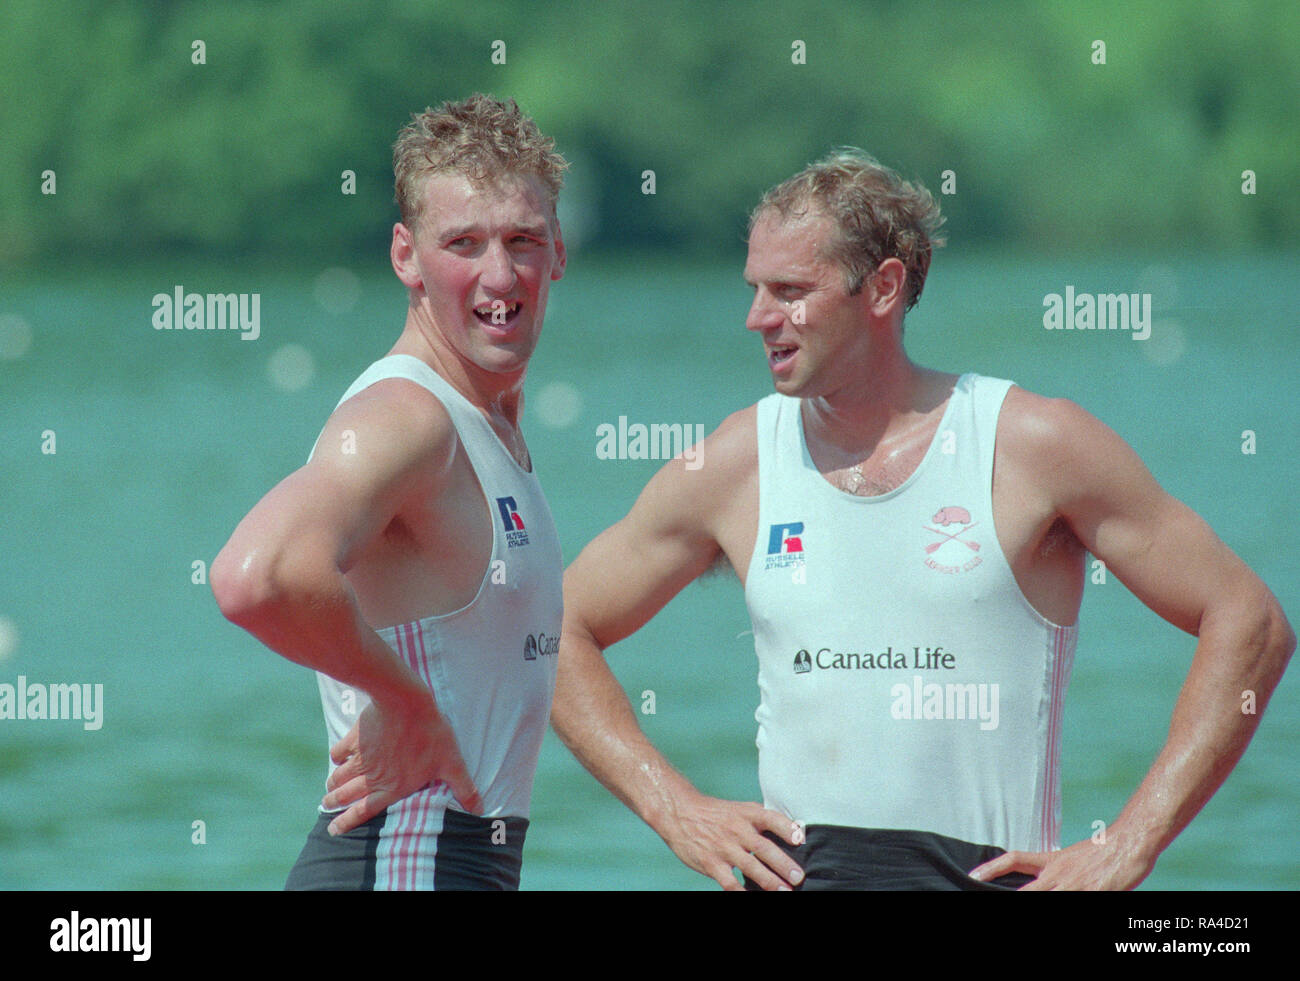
pixel 1142 842
pixel 665 797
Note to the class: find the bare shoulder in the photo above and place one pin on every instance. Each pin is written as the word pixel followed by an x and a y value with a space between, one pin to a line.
pixel 1037 422
pixel 1055 450
pixel 1055 437
pixel 376 452
pixel 691 494
pixel 730 452
pixel 675 529
pixel 393 425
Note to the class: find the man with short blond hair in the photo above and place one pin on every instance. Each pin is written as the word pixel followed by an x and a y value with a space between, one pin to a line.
pixel 875 212
pixel 912 546
pixel 412 562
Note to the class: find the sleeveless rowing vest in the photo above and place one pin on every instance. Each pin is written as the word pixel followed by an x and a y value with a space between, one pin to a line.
pixel 491 664
pixel 905 681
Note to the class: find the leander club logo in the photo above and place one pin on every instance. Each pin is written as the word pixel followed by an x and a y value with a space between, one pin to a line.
pixel 952 551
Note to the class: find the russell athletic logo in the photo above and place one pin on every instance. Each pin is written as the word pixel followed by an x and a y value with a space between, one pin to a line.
pixel 785 546
pixel 541 644
pixel 514 524
pixel 952 551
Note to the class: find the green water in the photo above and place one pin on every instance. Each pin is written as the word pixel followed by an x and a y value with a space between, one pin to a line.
pixel 165 439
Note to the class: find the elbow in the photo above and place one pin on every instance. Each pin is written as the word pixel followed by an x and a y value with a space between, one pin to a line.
pixel 241 585
pixel 257 587
pixel 1281 634
pixel 1272 638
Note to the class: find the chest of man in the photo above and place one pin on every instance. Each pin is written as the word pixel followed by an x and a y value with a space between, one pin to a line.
pixel 1044 556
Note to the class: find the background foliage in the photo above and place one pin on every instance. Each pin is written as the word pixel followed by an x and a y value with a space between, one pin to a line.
pixel 243 154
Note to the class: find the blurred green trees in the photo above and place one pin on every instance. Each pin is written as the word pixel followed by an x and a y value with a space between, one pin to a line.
pixel 244 154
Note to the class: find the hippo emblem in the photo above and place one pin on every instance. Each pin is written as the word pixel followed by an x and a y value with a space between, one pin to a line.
pixel 944 517
pixel 950 515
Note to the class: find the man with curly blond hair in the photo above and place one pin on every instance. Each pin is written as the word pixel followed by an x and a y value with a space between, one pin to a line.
pixel 412 562
pixel 911 546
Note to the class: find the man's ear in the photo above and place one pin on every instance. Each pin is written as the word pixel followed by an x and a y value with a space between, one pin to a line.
pixel 561 257
pixel 402 253
pixel 888 285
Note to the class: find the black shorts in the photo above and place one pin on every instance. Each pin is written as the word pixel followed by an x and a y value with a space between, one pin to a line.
pixel 834 857
pixel 451 850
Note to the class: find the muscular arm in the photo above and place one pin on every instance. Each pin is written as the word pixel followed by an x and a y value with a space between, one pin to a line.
pixel 625 576
pixel 281 577
pixel 1178 567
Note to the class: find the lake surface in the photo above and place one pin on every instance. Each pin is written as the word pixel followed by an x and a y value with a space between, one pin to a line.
pixel 164 439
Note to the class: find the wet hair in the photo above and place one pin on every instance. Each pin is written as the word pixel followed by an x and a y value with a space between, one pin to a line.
pixel 482 138
pixel 877 214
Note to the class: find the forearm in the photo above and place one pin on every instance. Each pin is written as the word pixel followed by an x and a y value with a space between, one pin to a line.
pixel 1242 650
pixel 593 717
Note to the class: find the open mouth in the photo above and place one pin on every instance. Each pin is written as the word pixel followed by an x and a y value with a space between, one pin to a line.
pixel 780 355
pixel 498 313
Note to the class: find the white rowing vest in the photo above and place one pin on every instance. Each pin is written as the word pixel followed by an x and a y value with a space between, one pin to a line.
pixel 491 664
pixel 905 680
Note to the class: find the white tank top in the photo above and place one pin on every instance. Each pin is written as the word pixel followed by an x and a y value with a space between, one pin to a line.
pixel 491 664
pixel 905 680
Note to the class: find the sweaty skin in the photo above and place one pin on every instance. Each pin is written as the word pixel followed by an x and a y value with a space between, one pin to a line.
pixel 1064 484
pixel 397 528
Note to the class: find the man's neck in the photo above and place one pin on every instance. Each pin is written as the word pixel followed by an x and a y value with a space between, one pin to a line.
pixel 890 397
pixel 497 395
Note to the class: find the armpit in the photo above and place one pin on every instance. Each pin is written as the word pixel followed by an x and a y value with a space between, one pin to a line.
pixel 1060 536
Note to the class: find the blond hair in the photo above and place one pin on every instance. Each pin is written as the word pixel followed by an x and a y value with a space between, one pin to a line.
pixel 877 215
pixel 482 138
